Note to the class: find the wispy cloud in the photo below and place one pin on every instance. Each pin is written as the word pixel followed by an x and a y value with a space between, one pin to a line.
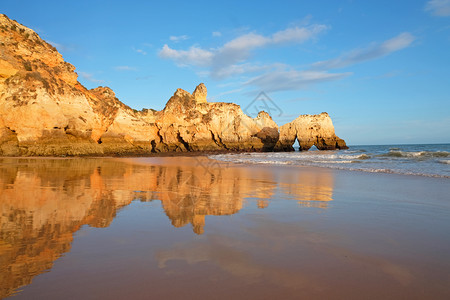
pixel 300 99
pixel 178 38
pixel 223 60
pixel 216 33
pixel 90 77
pixel 144 77
pixel 60 47
pixel 291 79
pixel 234 59
pixel 439 8
pixel 397 43
pixel 140 51
pixel 193 56
pixel 215 97
pixel 125 68
pixel 238 69
pixel 389 74
pixel 283 77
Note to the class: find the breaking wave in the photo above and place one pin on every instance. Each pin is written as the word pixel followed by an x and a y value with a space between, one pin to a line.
pixel 424 154
pixel 424 160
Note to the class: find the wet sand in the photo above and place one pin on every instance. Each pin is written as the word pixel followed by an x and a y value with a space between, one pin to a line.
pixel 191 227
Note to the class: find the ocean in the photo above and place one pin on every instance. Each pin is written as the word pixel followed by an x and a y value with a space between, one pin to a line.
pixel 431 160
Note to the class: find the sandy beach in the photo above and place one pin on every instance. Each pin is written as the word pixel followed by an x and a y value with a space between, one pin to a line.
pixel 192 227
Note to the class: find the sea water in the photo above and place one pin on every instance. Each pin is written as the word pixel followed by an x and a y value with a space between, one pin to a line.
pixel 422 159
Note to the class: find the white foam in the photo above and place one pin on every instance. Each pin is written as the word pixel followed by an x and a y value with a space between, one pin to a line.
pixel 425 163
pixel 333 162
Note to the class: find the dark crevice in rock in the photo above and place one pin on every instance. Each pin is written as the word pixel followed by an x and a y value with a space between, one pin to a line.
pixel 12 130
pixel 218 141
pixel 185 144
pixel 161 140
pixel 221 142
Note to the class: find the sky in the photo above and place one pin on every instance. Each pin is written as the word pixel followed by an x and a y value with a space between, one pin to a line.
pixel 381 69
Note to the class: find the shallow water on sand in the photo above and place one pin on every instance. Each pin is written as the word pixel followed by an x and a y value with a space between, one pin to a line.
pixel 190 228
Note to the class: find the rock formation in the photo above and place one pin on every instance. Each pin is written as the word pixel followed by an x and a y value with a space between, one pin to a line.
pixel 309 130
pixel 44 110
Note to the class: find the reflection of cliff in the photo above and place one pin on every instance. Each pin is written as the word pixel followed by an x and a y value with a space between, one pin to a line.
pixel 190 193
pixel 41 206
pixel 44 201
pixel 310 189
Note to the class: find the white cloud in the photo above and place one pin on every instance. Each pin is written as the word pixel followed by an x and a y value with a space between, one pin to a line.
pixel 297 34
pixel 439 8
pixel 144 77
pixel 238 69
pixel 247 41
pixel 90 77
pixel 193 56
pixel 140 51
pixel 233 59
pixel 125 68
pixel 217 33
pixel 178 38
pixel 291 79
pixel 218 96
pixel 285 78
pixel 224 59
pixel 397 43
pixel 60 47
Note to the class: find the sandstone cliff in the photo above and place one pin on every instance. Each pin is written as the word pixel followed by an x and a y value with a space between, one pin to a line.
pixel 309 130
pixel 44 110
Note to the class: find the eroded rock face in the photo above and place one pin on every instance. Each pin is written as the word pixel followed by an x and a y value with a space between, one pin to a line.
pixel 44 110
pixel 200 93
pixel 309 130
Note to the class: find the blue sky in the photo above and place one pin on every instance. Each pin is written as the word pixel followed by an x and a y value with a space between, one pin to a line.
pixel 381 69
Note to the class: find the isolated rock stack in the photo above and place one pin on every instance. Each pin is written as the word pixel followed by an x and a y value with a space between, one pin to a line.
pixel 44 110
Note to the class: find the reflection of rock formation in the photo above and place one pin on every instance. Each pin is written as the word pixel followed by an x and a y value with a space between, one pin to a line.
pixel 310 189
pixel 188 199
pixel 42 203
pixel 198 187
pixel 41 206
